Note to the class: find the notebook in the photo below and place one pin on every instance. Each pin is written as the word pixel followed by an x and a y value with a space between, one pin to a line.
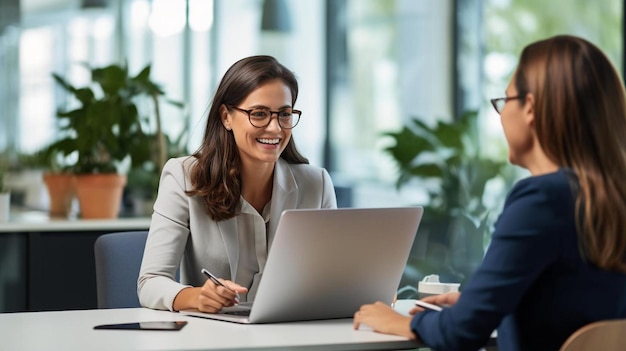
pixel 326 263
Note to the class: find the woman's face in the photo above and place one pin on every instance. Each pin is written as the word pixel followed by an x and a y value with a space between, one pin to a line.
pixel 517 122
pixel 260 144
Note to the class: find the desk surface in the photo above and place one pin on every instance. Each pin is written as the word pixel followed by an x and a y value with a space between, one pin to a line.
pixel 73 330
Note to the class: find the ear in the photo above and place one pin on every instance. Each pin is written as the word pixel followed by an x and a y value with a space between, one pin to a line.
pixel 226 119
pixel 529 109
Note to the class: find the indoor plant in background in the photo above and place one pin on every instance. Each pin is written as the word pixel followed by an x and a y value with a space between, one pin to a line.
pixel 447 158
pixel 109 135
pixel 143 181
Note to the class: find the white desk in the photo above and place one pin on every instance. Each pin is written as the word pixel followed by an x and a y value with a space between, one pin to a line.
pixel 73 330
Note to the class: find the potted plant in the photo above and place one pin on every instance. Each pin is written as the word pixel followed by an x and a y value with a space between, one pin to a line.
pixel 105 132
pixel 143 181
pixel 446 156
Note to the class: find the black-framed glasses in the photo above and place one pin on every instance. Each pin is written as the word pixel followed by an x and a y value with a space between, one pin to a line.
pixel 261 118
pixel 499 103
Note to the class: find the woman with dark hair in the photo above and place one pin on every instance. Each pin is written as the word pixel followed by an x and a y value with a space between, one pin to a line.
pixel 218 208
pixel 557 259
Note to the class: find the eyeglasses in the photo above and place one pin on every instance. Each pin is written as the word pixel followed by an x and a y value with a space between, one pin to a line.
pixel 499 103
pixel 261 118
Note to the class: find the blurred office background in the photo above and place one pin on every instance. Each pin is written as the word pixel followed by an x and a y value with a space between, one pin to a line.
pixel 365 67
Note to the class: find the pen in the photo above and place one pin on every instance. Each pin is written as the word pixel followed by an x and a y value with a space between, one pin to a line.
pixel 215 280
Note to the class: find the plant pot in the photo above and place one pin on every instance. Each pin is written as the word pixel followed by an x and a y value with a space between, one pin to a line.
pixel 99 195
pixel 61 193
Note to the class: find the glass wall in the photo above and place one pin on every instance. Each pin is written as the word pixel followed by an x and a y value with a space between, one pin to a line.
pixel 189 43
pixel 391 61
pixel 509 25
pixel 395 63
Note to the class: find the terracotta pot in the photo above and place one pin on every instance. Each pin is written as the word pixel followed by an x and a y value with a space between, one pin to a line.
pixel 99 195
pixel 61 192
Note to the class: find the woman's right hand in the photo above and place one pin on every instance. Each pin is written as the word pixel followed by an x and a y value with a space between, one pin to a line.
pixel 212 297
pixel 209 298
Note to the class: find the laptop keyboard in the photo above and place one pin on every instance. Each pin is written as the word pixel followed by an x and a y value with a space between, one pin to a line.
pixel 237 313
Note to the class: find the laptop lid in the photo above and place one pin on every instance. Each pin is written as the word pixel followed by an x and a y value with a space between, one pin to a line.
pixel 326 263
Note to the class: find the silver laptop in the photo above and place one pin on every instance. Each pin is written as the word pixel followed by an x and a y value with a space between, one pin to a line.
pixel 326 263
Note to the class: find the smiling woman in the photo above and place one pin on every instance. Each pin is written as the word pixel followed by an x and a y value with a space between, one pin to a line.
pixel 218 208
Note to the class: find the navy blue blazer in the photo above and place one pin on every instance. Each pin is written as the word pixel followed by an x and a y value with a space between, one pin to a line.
pixel 533 284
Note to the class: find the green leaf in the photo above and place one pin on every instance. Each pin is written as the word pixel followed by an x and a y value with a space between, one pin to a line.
pixel 428 170
pixel 408 146
pixel 449 135
pixel 111 78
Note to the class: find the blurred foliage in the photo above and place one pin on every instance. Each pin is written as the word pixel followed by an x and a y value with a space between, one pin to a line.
pixel 446 156
pixel 14 161
pixel 143 181
pixel 107 127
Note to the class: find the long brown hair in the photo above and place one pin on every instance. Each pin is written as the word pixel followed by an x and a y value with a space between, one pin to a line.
pixel 216 173
pixel 580 120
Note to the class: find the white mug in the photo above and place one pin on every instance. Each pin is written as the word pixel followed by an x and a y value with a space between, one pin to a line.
pixel 431 285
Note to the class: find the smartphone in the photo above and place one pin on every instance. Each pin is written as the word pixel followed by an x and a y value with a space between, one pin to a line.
pixel 162 325
pixel 428 306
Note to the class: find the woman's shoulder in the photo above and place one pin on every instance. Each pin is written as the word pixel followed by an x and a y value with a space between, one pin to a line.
pixel 553 190
pixel 557 183
pixel 539 204
pixel 303 169
pixel 179 169
pixel 303 174
pixel 183 163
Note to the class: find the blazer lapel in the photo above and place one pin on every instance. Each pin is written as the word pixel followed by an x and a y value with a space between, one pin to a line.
pixel 284 195
pixel 228 230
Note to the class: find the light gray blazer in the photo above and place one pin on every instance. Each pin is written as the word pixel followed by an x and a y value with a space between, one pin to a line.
pixel 181 233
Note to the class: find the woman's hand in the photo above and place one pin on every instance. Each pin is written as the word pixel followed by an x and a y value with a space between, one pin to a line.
pixel 212 297
pixel 384 319
pixel 447 299
pixel 209 298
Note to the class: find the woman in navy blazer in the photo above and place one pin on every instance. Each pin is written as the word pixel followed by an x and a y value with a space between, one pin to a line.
pixel 218 208
pixel 557 259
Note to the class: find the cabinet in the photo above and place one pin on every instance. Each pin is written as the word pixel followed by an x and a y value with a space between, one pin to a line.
pixel 48 264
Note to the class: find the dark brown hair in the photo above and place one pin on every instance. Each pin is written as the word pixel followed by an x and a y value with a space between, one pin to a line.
pixel 580 120
pixel 216 173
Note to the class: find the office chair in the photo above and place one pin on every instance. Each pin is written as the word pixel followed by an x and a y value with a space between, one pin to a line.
pixel 608 335
pixel 118 259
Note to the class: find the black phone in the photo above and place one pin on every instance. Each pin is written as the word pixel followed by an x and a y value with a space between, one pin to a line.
pixel 161 325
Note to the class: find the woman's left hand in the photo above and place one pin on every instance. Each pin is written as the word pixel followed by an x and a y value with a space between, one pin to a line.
pixel 383 319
